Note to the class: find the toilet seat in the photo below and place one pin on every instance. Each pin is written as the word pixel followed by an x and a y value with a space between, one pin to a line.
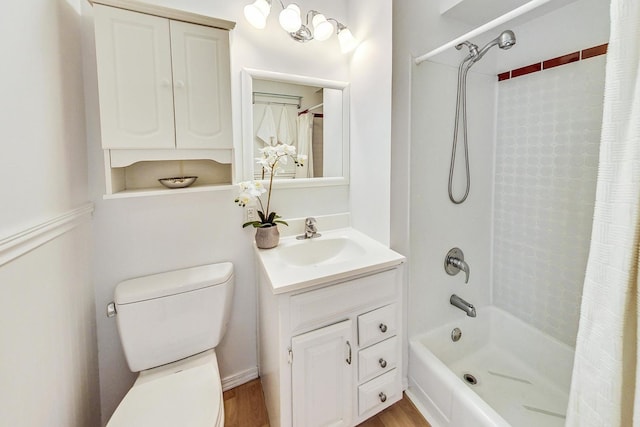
pixel 183 393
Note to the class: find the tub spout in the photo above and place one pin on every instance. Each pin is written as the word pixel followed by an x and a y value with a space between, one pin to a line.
pixel 458 302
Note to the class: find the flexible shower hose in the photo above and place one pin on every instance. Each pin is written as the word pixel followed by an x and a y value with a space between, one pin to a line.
pixel 461 103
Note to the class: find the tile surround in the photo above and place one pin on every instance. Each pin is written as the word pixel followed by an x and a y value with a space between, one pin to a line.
pixel 526 70
pixel 547 149
pixel 554 62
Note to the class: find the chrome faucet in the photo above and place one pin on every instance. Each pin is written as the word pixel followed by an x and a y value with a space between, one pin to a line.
pixel 454 262
pixel 456 301
pixel 310 229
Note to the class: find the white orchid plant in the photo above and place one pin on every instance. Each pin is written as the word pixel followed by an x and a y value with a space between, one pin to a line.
pixel 273 157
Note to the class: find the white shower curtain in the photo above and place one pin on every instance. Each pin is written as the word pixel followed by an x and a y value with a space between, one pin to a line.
pixel 605 389
pixel 305 138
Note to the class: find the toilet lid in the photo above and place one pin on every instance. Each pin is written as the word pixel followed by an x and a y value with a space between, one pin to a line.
pixel 192 397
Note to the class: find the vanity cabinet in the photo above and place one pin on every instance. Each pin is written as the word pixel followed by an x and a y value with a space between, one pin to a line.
pixel 162 83
pixel 321 376
pixel 332 354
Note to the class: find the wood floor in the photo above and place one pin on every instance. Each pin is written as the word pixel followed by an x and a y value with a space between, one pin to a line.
pixel 244 407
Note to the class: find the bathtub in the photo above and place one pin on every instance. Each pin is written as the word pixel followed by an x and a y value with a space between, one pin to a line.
pixel 522 376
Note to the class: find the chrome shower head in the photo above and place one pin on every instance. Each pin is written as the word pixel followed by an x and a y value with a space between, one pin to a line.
pixel 505 40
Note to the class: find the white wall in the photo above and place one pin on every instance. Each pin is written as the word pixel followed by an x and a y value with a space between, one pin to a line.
pixel 49 371
pixel 370 79
pixel 142 236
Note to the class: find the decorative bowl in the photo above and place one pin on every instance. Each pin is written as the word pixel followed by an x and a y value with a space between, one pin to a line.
pixel 178 182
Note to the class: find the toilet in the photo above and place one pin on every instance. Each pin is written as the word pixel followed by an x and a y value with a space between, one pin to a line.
pixel 169 326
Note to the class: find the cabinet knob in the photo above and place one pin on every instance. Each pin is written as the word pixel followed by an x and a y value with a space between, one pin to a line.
pixel 179 84
pixel 383 397
pixel 382 362
pixel 165 83
pixel 383 328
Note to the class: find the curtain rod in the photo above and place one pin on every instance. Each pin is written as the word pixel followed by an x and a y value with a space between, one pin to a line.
pixel 276 95
pixel 296 98
pixel 277 103
pixel 527 7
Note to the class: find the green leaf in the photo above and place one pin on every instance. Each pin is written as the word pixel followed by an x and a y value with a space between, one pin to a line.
pixel 254 223
pixel 261 215
pixel 272 217
pixel 279 221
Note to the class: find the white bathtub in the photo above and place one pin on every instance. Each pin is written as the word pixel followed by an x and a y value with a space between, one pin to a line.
pixel 523 375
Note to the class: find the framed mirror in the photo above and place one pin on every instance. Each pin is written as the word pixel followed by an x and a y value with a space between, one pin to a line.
pixel 309 113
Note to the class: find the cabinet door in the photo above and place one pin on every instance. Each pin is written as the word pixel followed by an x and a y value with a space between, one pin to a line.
pixel 133 54
pixel 202 86
pixel 322 377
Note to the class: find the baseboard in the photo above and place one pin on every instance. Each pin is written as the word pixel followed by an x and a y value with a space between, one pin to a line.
pixel 240 378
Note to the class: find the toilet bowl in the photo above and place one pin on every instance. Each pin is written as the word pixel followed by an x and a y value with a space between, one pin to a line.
pixel 184 393
pixel 169 325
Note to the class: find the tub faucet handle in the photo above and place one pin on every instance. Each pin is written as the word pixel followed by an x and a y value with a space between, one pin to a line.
pixel 454 262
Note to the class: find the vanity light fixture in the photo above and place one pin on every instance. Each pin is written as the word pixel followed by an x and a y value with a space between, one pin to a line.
pixel 291 21
pixel 257 12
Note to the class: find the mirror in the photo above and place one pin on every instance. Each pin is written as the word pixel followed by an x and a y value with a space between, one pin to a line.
pixel 309 113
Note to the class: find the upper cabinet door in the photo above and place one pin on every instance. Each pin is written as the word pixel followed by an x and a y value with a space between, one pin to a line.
pixel 133 53
pixel 202 86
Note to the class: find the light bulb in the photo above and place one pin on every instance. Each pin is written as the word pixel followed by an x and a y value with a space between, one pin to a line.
pixel 257 12
pixel 322 29
pixel 290 19
pixel 346 39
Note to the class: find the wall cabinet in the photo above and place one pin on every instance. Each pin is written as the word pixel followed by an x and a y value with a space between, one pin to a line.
pixel 332 355
pixel 162 83
pixel 164 87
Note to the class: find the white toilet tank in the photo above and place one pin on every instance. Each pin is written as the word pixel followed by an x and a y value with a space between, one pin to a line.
pixel 169 316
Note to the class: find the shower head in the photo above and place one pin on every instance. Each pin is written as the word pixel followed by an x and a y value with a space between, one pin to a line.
pixel 505 40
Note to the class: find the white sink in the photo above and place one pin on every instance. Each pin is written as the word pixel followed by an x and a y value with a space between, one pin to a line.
pixel 336 255
pixel 320 250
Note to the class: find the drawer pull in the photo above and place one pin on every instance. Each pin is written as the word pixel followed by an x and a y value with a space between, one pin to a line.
pixel 349 353
pixel 383 328
pixel 383 397
pixel 383 363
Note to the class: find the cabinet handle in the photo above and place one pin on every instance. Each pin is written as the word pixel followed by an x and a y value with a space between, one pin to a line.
pixel 179 84
pixel 383 397
pixel 383 328
pixel 382 362
pixel 349 352
pixel 165 83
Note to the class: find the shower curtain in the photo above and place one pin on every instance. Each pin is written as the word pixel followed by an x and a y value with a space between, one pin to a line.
pixel 305 147
pixel 605 389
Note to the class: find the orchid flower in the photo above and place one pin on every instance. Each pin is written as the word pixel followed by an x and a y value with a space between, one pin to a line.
pixel 272 158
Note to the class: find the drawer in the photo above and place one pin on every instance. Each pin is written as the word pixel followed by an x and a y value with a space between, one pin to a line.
pixel 311 308
pixel 379 392
pixel 378 359
pixel 377 325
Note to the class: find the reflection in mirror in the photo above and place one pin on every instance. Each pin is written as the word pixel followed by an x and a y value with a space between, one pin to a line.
pixel 309 114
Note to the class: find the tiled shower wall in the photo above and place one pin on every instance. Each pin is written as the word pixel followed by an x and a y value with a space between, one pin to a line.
pixel 548 132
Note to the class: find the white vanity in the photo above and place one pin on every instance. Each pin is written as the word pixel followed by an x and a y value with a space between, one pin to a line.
pixel 330 328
